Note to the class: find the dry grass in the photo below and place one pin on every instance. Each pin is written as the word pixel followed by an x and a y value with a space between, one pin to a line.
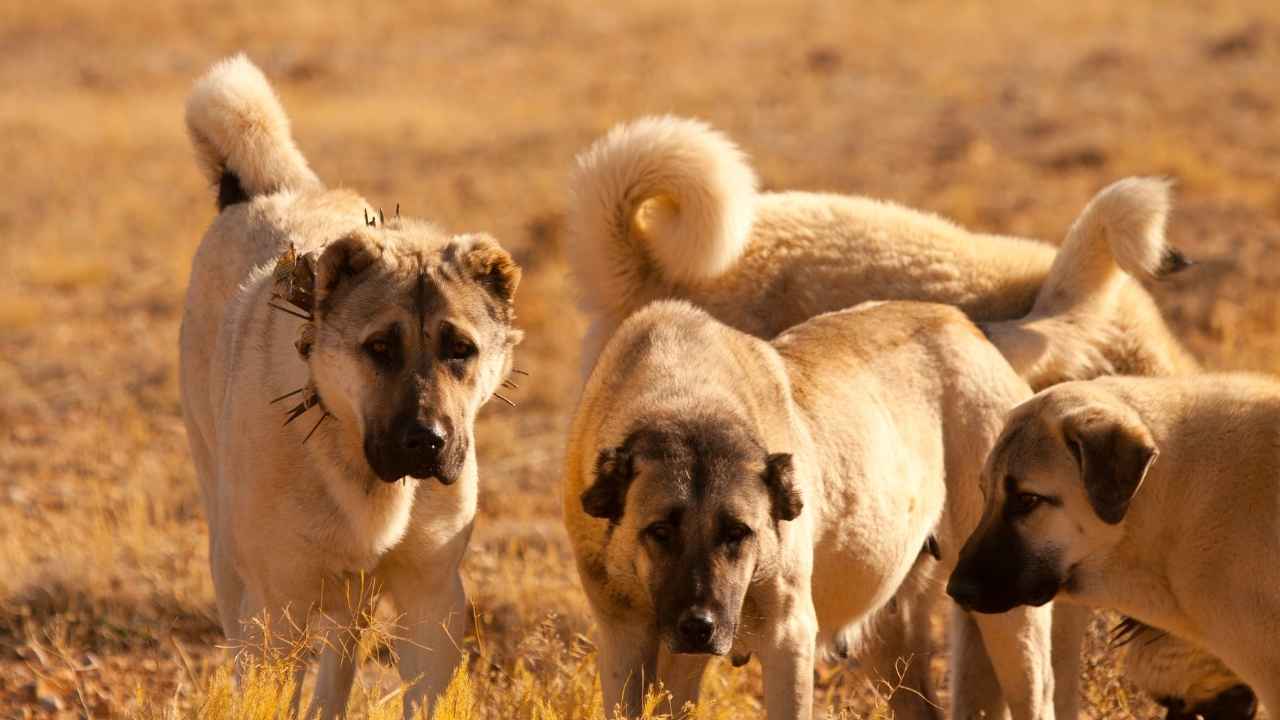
pixel 1002 115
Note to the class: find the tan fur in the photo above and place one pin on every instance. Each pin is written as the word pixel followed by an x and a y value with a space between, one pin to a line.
pixel 305 526
pixel 886 409
pixel 666 207
pixel 1173 671
pixel 1192 549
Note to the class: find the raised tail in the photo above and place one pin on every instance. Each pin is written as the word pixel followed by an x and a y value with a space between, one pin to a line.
pixel 1074 328
pixel 657 201
pixel 241 134
pixel 1120 231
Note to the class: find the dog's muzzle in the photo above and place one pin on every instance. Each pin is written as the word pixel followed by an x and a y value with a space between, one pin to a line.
pixel 417 450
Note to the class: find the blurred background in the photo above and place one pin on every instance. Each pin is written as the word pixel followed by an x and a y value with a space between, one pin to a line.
pixel 1005 116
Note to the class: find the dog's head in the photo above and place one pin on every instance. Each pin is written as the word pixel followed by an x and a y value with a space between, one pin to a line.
pixel 700 503
pixel 1058 486
pixel 412 334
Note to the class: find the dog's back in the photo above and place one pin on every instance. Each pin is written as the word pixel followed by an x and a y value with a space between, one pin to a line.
pixel 665 207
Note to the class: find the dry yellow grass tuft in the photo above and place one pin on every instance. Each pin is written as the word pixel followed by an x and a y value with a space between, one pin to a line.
pixel 1007 115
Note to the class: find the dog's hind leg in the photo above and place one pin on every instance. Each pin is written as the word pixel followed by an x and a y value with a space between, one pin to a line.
pixel 1018 644
pixel 897 658
pixel 681 675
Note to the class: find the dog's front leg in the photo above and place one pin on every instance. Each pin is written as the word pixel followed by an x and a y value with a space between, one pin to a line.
pixel 433 611
pixel 339 634
pixel 1070 623
pixel 627 655
pixel 1019 644
pixel 681 674
pixel 788 663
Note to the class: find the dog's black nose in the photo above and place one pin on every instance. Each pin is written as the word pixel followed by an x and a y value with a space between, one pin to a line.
pixel 695 628
pixel 963 590
pixel 423 438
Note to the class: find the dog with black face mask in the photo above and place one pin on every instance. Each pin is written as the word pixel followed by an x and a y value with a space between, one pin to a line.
pixel 727 495
pixel 1155 497
pixel 332 364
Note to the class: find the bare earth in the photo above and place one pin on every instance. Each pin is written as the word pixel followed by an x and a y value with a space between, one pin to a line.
pixel 1001 116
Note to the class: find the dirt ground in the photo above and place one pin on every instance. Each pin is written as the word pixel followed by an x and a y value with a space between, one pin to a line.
pixel 1005 116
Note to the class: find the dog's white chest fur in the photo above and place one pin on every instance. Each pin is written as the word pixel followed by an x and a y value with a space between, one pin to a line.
pixel 377 517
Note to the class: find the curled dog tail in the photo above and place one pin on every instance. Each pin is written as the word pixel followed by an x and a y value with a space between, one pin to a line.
pixel 1075 326
pixel 241 134
pixel 1120 231
pixel 656 201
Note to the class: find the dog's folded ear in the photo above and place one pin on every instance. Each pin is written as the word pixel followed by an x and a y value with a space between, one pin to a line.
pixel 1114 450
pixel 780 479
pixel 495 269
pixel 342 260
pixel 607 496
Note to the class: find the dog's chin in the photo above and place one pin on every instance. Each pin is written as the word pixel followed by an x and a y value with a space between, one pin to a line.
pixel 1043 595
pixel 715 647
pixel 433 472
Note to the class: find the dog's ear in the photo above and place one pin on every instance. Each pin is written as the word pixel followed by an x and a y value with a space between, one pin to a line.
pixel 495 269
pixel 1114 452
pixel 780 479
pixel 607 496
pixel 342 260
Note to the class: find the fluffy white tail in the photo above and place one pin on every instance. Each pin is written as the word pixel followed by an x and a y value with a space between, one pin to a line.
pixel 1119 234
pixel 241 134
pixel 656 201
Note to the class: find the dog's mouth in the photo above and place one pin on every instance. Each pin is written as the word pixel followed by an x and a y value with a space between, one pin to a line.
pixel 393 467
pixel 423 472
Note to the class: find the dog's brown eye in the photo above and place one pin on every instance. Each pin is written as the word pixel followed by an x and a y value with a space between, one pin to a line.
pixel 736 533
pixel 1024 502
pixel 459 349
pixel 659 532
pixel 380 350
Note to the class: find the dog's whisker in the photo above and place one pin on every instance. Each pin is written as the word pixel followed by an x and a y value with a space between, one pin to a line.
pixel 508 383
pixel 504 399
pixel 382 219
pixel 291 392
pixel 397 209
pixel 294 313
pixel 520 372
pixel 323 417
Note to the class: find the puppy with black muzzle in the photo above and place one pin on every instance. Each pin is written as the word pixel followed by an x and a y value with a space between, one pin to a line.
pixel 727 495
pixel 333 361
pixel 1155 497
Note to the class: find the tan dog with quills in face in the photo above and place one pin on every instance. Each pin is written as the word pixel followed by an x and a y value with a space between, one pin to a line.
pixel 1159 498
pixel 385 338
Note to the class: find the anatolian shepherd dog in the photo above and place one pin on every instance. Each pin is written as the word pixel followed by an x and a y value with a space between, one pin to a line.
pixel 391 337
pixel 1157 497
pixel 724 493
pixel 668 208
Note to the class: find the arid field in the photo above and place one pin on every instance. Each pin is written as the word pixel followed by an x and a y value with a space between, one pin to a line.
pixel 1005 116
